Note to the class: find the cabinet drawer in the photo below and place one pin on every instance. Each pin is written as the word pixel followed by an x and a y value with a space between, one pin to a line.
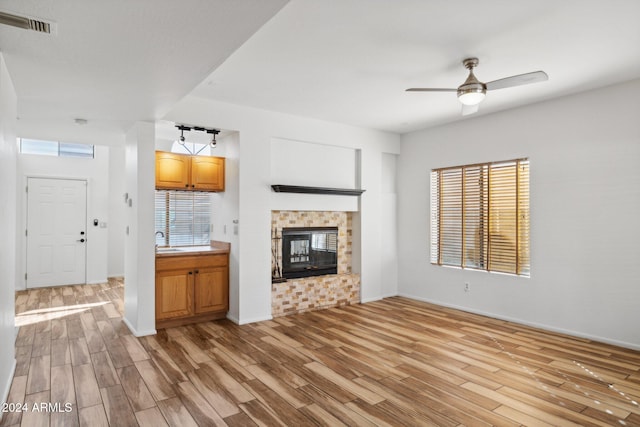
pixel 191 261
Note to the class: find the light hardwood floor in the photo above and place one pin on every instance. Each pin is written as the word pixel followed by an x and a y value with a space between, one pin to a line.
pixel 393 362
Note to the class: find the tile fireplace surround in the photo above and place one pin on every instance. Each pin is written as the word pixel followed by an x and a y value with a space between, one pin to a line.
pixel 315 293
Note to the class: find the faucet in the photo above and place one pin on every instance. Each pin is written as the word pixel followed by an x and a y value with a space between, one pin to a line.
pixel 161 235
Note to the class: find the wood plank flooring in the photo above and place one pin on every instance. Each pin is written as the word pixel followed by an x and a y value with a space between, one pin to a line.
pixel 388 363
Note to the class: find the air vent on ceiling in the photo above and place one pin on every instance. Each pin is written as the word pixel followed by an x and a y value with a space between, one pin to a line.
pixel 26 23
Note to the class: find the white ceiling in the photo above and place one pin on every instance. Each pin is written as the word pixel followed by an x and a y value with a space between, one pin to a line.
pixel 115 62
pixel 351 60
pixel 118 61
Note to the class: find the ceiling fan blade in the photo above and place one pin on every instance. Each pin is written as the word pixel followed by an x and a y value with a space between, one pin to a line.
pixel 429 89
pixel 520 79
pixel 469 109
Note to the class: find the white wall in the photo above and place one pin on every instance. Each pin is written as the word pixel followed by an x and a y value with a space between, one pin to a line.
pixel 96 172
pixel 117 211
pixel 139 247
pixel 257 128
pixel 313 165
pixel 585 198
pixel 225 210
pixel 8 113
pixel 389 218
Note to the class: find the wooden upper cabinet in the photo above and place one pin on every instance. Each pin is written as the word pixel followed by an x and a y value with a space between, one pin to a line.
pixel 207 173
pixel 182 172
pixel 172 171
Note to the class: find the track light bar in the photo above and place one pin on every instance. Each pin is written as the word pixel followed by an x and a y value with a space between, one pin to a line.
pixel 188 128
pixel 198 128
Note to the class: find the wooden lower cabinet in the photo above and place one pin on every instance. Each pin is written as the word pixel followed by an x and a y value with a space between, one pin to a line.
pixel 209 296
pixel 174 294
pixel 191 289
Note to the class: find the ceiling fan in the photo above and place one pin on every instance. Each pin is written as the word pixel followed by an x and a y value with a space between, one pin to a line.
pixel 472 91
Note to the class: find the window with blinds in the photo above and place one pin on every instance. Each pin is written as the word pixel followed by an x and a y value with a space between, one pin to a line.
pixel 183 217
pixel 480 217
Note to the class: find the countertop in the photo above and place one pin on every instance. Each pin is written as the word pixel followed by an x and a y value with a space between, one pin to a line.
pixel 216 247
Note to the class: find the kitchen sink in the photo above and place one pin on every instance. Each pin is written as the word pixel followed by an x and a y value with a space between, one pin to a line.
pixel 165 250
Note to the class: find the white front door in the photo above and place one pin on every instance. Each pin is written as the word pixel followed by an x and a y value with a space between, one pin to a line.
pixel 56 232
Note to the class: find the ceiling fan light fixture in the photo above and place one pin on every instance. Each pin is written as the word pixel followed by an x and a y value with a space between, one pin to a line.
pixel 471 96
pixel 472 91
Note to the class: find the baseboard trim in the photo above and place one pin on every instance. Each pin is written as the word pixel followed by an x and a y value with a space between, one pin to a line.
pixel 543 326
pixel 137 333
pixel 251 320
pixel 7 386
pixel 366 300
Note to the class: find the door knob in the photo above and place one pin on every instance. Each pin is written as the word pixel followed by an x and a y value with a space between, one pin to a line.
pixel 81 240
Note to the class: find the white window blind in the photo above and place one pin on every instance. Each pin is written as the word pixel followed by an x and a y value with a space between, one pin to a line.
pixel 327 242
pixel 183 217
pixel 480 216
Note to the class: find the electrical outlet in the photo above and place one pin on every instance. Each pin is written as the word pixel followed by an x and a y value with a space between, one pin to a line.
pixel 466 286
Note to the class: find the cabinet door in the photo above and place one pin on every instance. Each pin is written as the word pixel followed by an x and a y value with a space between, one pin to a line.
pixel 172 170
pixel 207 173
pixel 212 289
pixel 174 294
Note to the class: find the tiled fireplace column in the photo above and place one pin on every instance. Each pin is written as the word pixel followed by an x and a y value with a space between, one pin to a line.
pixel 315 293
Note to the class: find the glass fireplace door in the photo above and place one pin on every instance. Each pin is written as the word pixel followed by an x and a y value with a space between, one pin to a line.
pixel 309 252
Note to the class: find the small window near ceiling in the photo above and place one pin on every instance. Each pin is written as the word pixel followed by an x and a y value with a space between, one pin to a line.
pixel 480 217
pixel 55 148
pixel 68 149
pixel 191 148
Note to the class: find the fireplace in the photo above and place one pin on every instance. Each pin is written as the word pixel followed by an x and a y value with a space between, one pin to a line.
pixel 334 287
pixel 309 251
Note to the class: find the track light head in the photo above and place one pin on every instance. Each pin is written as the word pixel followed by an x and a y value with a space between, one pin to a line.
pixel 214 132
pixel 182 128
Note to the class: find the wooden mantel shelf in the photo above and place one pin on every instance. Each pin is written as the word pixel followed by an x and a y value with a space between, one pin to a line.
pixel 280 188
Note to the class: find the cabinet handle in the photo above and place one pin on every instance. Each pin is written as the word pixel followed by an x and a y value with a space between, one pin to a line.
pixel 186 185
pixel 197 272
pixel 193 186
pixel 191 272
